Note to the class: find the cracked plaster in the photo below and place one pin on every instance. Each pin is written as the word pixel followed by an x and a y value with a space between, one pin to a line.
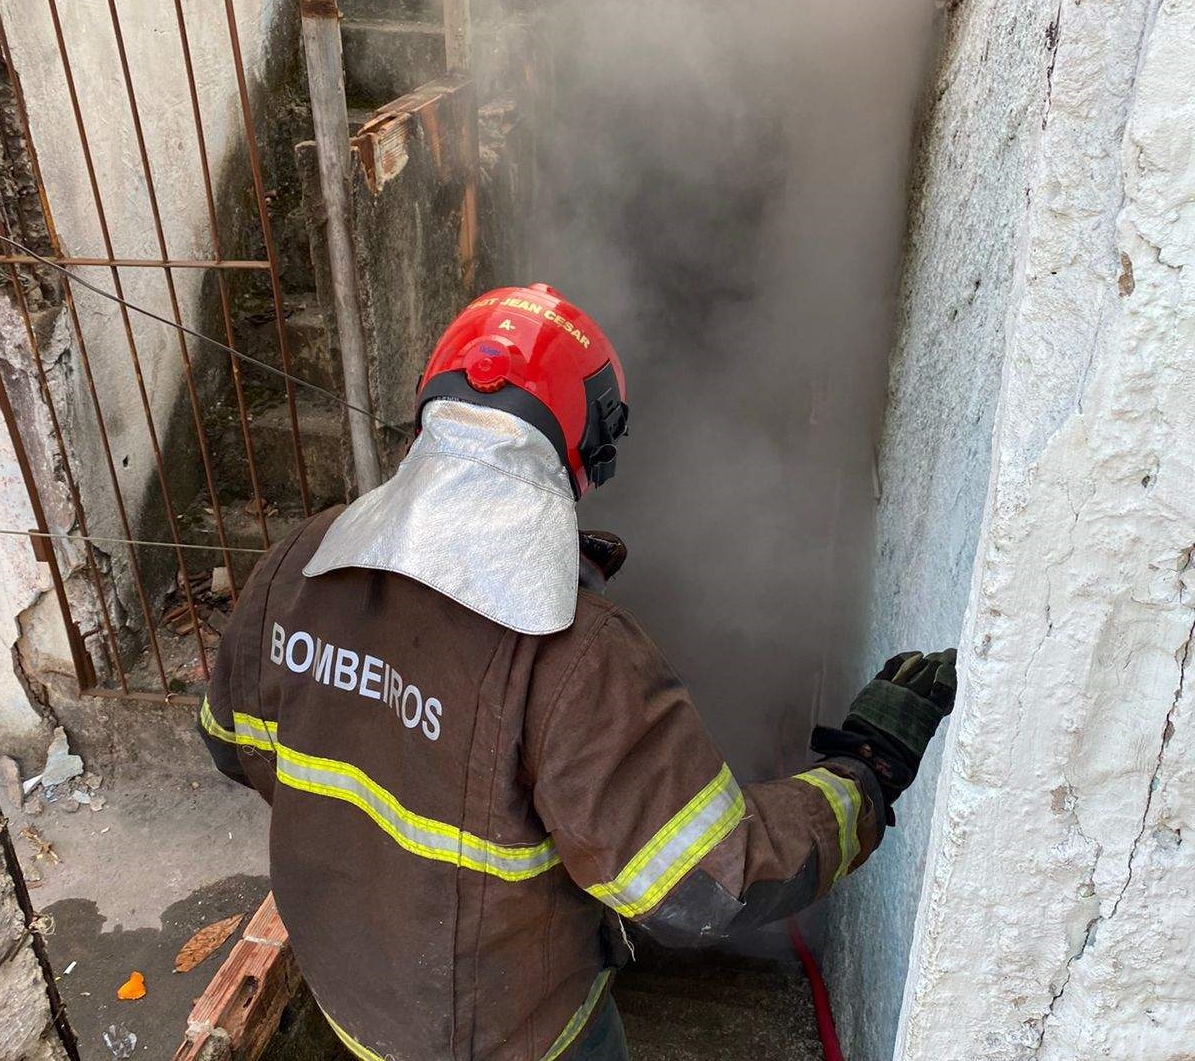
pixel 1036 463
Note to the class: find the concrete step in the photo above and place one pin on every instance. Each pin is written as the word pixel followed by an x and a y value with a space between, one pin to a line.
pixel 321 426
pixel 307 338
pixel 401 10
pixel 241 531
pixel 385 58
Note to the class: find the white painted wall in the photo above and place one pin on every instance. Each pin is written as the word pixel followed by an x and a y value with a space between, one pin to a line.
pixel 1056 918
pixel 959 279
pixel 1054 915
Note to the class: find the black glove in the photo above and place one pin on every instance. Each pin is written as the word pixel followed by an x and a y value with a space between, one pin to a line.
pixel 893 719
pixel 602 556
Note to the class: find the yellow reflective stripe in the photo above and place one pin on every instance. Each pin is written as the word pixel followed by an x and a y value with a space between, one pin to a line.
pixel 563 1041
pixel 684 841
pixel 413 832
pixel 845 801
pixel 208 721
pixel 251 731
pixel 256 732
pixel 577 1021
pixel 355 1048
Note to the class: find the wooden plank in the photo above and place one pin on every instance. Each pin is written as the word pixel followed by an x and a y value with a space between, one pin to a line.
pixel 458 36
pixel 330 118
pixel 437 113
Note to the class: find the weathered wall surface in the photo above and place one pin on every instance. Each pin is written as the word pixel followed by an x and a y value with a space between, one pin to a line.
pixel 32 636
pixel 968 199
pixel 1057 184
pixel 27 1032
pixel 23 732
pixel 1055 922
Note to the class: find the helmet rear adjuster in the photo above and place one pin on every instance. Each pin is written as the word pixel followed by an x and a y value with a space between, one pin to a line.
pixel 605 424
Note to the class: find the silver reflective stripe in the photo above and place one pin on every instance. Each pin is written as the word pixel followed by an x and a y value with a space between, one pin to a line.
pixel 845 801
pixel 660 864
pixel 256 732
pixel 413 832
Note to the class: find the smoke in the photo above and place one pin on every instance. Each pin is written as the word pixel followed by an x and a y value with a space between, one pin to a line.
pixel 723 189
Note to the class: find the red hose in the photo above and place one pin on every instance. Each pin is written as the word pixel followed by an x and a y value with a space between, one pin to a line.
pixel 821 997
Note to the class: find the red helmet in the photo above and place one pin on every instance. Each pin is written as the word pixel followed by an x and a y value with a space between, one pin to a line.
pixel 527 351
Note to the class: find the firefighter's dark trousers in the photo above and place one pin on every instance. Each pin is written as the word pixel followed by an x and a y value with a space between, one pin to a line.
pixel 606 1040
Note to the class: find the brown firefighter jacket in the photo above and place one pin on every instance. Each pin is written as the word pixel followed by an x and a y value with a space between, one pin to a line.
pixel 459 811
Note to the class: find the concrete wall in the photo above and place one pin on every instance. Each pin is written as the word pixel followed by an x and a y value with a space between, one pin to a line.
pixel 23 731
pixel 31 629
pixel 1050 245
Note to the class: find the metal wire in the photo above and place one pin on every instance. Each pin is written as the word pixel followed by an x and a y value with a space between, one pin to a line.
pixel 217 548
pixel 51 264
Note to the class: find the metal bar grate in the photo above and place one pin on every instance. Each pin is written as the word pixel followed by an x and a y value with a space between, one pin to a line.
pixel 152 679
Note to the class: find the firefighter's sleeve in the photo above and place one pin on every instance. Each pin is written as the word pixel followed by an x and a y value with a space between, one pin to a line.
pixel 239 739
pixel 648 818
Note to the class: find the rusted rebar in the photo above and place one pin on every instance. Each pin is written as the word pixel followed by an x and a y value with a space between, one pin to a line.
pixel 143 263
pixel 105 233
pixel 225 301
pixel 267 234
pixel 63 455
pixel 79 657
pixel 176 312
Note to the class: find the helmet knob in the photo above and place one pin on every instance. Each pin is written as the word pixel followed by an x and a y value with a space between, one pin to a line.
pixel 487 367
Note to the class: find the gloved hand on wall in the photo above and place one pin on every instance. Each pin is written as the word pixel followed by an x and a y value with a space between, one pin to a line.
pixel 893 719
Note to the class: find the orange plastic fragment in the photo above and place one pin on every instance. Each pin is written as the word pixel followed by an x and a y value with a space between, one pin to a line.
pixel 132 988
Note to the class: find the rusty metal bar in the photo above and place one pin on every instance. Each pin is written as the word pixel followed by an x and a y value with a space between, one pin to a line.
pixel 185 699
pixel 225 303
pixel 72 485
pixel 141 263
pixel 203 547
pixel 176 312
pixel 77 328
pixel 102 217
pixel 268 239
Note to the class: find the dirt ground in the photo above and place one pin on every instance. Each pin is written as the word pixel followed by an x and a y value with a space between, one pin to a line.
pixel 165 856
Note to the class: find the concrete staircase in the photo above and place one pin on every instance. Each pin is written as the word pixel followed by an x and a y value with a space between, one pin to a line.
pixel 390 48
pixel 393 46
pixel 321 432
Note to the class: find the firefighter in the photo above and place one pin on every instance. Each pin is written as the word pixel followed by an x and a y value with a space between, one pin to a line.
pixel 479 767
